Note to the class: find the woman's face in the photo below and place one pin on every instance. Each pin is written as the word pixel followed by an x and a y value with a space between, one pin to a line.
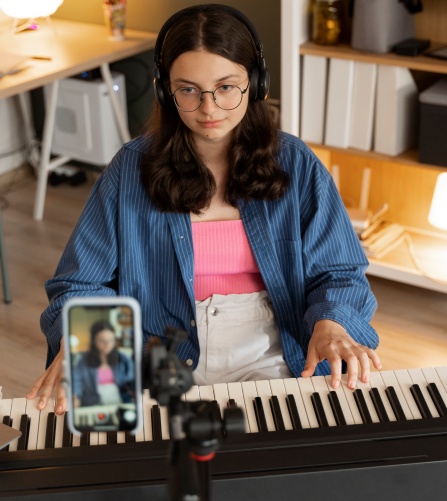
pixel 206 71
pixel 105 341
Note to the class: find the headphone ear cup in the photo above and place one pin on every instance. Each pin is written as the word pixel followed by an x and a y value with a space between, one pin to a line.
pixel 263 84
pixel 158 89
pixel 254 83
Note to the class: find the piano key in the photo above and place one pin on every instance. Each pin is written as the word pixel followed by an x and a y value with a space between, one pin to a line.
pixel 390 380
pixel 293 412
pixel 336 408
pixel 156 423
pixel 442 374
pixel 366 387
pixel 405 382
pixel 221 396
pixel 50 430
pixel 420 401
pixel 112 437
pixel 41 438
pixel 418 377
pixel 206 393
pixel 67 437
pixel 278 389
pixel 164 417
pixel 59 433
pixel 319 410
pixel 321 387
pixel 395 403
pixel 362 406
pixel 145 431
pixel 376 381
pixel 260 416
pixel 378 405
pixel 84 439
pixel 349 395
pixel 192 395
pixel 93 438
pixel 22 442
pixel 235 393
pixel 265 394
pixel 129 437
pixel 277 414
pixel 5 407
pixel 293 389
pixel 102 438
pixel 306 388
pixel 346 409
pixel 432 376
pixel 249 394
pixel 34 414
pixel 18 408
pixel 437 399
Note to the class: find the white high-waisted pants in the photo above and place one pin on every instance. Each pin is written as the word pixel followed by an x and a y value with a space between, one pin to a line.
pixel 239 340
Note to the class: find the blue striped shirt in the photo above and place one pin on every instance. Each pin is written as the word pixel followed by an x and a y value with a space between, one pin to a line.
pixel 308 254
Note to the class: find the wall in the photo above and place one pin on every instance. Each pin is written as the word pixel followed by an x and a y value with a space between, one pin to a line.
pixel 150 16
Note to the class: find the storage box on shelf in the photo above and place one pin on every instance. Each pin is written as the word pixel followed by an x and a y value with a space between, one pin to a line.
pixel 401 181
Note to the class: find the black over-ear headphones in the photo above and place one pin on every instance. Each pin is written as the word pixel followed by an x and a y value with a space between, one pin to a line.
pixel 259 77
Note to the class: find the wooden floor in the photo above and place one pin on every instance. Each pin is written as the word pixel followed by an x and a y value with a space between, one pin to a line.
pixel 412 322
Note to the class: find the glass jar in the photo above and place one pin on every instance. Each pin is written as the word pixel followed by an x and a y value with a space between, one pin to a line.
pixel 327 20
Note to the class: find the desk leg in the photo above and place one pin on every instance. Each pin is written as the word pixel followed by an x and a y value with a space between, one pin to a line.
pixel 119 112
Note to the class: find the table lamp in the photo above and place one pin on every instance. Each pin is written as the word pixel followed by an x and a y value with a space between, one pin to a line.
pixel 438 209
pixel 30 10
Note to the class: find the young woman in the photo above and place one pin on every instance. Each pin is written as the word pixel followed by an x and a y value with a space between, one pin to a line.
pixel 220 225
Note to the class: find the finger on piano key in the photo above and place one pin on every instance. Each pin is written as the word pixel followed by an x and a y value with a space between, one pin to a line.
pixel 392 384
pixel 221 396
pixel 321 388
pixel 235 393
pixel 346 409
pixel 249 394
pixel 279 390
pixel 426 406
pixel 376 381
pixel 405 382
pixel 22 442
pixel 18 408
pixel 306 389
pixel 436 389
pixel 265 394
pixel 293 389
pixel 349 395
pixel 442 374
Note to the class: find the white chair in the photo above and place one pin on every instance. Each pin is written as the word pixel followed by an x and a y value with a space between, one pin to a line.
pixel 4 267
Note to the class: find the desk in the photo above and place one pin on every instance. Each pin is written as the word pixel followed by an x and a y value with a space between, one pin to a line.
pixel 73 47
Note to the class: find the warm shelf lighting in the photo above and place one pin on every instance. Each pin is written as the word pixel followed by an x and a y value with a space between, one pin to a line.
pixel 438 210
pixel 29 9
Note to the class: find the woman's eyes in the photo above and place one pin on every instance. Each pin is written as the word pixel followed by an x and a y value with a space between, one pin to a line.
pixel 225 88
pixel 189 90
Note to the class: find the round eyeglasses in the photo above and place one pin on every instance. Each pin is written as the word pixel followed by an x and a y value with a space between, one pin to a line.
pixel 226 97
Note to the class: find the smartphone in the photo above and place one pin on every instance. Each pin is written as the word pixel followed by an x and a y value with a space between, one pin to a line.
pixel 102 366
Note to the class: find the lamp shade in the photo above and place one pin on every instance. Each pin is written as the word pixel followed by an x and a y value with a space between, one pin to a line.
pixel 438 210
pixel 29 9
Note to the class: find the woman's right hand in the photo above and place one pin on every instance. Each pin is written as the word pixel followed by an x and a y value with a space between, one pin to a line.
pixel 51 379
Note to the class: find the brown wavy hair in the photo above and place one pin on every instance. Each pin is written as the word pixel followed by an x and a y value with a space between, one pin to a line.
pixel 172 172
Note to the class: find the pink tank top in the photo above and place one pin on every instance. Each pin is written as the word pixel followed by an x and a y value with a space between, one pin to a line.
pixel 223 260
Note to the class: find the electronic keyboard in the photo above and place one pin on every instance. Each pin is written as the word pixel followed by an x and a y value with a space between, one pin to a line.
pixel 385 440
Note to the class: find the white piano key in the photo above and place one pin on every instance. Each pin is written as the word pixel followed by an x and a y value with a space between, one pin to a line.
pixel 139 435
pixel 349 394
pixel 442 373
pixel 376 381
pixel 292 388
pixel 94 438
pixel 102 438
pixel 34 414
pixel 17 409
pixel 206 393
pixel 148 402
pixel 58 436
pixel 404 379
pixel 221 396
pixel 418 377
pixel 5 408
pixel 306 389
pixel 249 394
pixel 43 424
pixel 366 387
pixel 121 437
pixel 347 413
pixel 265 394
pixel 76 441
pixel 192 395
pixel 389 379
pixel 432 376
pixel 164 418
pixel 235 393
pixel 279 390
pixel 321 387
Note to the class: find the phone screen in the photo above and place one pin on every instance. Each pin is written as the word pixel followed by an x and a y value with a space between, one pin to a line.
pixel 103 364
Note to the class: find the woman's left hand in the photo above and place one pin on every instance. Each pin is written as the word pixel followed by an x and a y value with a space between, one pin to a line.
pixel 330 341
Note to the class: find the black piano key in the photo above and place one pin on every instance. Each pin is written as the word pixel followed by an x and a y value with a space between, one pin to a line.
pixel 67 436
pixel 231 403
pixel 319 410
pixel 293 412
pixel 215 407
pixel 437 399
pixel 156 423
pixel 336 408
pixel 378 405
pixel 129 437
pixel 420 401
pixel 361 404
pixel 50 431
pixel 277 414
pixel 260 415
pixel 85 438
pixel 395 404
pixel 22 442
pixel 112 437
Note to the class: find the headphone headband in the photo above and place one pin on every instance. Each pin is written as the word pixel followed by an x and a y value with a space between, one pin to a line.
pixel 260 78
